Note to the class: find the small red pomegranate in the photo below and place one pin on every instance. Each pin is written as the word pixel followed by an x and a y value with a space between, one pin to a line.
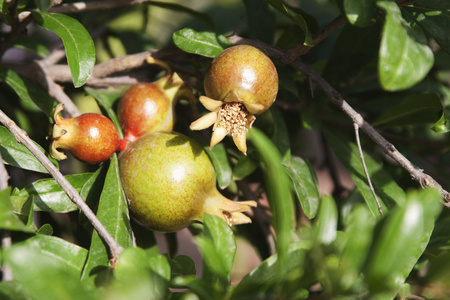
pixel 240 83
pixel 169 182
pixel 90 137
pixel 148 107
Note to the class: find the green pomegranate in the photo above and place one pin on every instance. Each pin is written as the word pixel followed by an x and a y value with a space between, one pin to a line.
pixel 169 182
pixel 240 83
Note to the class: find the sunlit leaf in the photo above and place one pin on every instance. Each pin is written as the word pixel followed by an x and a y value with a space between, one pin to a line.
pixel 80 49
pixel 48 195
pixel 206 44
pixel 8 220
pixel 401 241
pixel 360 12
pixel 404 57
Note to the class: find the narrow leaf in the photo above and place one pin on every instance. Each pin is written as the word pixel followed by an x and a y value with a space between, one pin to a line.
pixel 80 49
pixel 412 110
pixel 206 44
pixel 219 158
pixel 218 247
pixel 278 191
pixel 305 184
pixel 17 155
pixel 404 59
pixel 48 195
pixel 8 220
pixel 29 93
pixel 402 240
pixel 180 8
pixel 113 213
pixel 386 189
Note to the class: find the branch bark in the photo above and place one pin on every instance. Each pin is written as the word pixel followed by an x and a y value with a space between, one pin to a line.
pixel 336 98
pixel 22 137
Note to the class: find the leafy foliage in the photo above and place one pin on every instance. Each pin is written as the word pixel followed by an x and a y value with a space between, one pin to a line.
pixel 317 230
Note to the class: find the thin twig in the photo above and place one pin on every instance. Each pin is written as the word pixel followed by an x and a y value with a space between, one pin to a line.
pixel 78 7
pixel 361 155
pixel 22 137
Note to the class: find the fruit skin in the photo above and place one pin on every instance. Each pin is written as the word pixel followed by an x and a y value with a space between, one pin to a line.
pixel 149 106
pixel 240 83
pixel 90 137
pixel 169 182
pixel 144 108
pixel 245 71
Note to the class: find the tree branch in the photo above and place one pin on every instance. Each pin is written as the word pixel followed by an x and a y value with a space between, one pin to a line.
pixel 22 137
pixel 77 7
pixel 416 173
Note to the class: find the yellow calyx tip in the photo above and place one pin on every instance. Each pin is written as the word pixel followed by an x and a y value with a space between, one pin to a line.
pixel 228 210
pixel 55 153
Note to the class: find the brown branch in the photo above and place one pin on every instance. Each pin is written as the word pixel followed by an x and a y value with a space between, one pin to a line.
pixel 301 49
pixel 336 98
pixel 77 7
pixel 22 137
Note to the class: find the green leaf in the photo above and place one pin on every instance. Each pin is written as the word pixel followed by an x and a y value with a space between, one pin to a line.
pixel 218 248
pixel 206 44
pixel 443 124
pixel 259 283
pixel 404 57
pixel 278 191
pixel 61 262
pixel 326 222
pixel 17 155
pixel 56 248
pixel 305 184
pixel 8 220
pixel 180 8
pixel 297 18
pixel 106 98
pixel 30 94
pixel 401 241
pixel 14 290
pixel 80 49
pixel 43 5
pixel 139 276
pixel 48 195
pixel 219 158
pixel 113 213
pixel 182 265
pixel 244 167
pixel 412 110
pixel 360 12
pixel 359 233
pixel 434 17
pixel 386 189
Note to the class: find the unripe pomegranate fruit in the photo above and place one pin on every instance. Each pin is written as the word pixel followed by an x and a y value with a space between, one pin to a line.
pixel 240 83
pixel 170 182
pixel 90 137
pixel 148 107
